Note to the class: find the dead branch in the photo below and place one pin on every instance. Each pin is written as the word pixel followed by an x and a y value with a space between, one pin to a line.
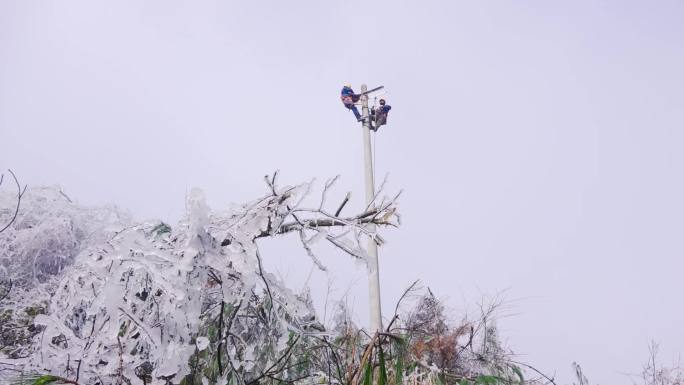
pixel 365 357
pixel 344 203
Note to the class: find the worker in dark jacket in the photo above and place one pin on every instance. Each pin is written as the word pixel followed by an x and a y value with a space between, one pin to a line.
pixel 349 98
pixel 380 114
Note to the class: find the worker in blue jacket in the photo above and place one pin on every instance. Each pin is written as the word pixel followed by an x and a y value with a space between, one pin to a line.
pixel 380 114
pixel 349 98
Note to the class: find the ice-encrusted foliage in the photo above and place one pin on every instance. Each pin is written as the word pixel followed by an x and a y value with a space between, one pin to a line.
pixel 49 232
pixel 47 235
pixel 156 304
pixel 143 306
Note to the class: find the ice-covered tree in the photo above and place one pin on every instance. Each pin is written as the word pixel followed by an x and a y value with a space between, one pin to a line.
pixel 110 301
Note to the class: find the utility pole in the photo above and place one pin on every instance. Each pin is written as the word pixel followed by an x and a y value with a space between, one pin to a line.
pixel 372 264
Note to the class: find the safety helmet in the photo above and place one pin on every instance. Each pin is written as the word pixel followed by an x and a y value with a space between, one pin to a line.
pixel 382 102
pixel 347 85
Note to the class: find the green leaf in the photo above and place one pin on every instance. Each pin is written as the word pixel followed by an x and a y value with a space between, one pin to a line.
pixel 399 340
pixel 399 371
pixel 38 379
pixel 47 379
pixel 488 380
pixel 212 333
pixel 400 348
pixel 368 374
pixel 383 371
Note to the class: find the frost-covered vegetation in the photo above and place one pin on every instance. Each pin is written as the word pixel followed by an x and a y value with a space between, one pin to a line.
pixel 88 296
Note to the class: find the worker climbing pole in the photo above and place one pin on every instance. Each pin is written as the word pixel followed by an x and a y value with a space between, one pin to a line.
pixel 377 116
pixel 349 99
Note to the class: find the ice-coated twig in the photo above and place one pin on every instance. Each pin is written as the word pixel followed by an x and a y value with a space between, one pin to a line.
pixel 62 193
pixel 408 290
pixel 328 184
pixel 271 181
pixel 309 252
pixel 20 193
pixel 263 277
pixel 292 209
pixel 345 248
pixel 140 324
pixel 378 192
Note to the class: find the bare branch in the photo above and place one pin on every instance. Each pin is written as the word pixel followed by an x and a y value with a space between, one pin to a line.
pixel 409 289
pixel 271 182
pixel 378 192
pixel 20 193
pixel 328 184
pixel 344 202
pixel 261 273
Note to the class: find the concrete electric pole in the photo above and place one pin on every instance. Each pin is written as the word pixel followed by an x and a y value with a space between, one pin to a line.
pixel 372 265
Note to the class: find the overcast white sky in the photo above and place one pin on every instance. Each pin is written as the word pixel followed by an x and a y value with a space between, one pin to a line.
pixel 538 143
